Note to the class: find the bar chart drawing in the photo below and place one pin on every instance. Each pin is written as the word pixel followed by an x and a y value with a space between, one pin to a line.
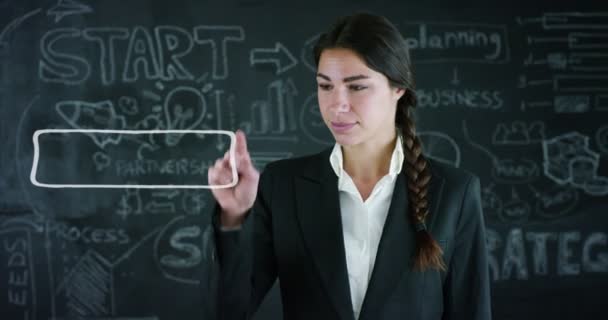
pixel 274 117
pixel 574 56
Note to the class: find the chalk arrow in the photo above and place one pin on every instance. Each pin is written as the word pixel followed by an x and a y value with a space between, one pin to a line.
pixel 279 56
pixel 455 81
pixel 65 8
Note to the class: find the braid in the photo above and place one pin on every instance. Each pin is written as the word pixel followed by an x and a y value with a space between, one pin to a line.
pixel 428 252
pixel 383 48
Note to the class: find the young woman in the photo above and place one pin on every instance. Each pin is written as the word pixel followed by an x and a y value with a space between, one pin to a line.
pixel 368 229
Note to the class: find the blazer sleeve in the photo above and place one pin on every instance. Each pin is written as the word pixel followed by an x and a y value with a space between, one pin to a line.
pixel 467 284
pixel 247 264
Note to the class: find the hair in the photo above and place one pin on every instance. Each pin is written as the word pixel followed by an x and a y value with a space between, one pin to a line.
pixel 381 46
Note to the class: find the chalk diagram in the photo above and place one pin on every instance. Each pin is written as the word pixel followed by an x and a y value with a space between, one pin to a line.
pixel 574 58
pixel 80 285
pixel 566 160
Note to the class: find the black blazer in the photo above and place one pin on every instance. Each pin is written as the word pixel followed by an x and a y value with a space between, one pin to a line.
pixel 294 232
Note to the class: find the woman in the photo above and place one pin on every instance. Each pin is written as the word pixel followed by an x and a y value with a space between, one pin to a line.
pixel 368 229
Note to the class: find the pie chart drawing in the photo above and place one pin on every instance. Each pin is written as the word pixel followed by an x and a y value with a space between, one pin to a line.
pixel 312 123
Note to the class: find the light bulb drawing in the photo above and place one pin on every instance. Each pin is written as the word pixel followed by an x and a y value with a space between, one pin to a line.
pixel 184 109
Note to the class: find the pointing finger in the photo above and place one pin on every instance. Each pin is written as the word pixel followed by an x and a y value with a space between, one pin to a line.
pixel 241 143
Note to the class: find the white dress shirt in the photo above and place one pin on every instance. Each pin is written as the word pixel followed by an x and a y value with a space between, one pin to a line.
pixel 363 221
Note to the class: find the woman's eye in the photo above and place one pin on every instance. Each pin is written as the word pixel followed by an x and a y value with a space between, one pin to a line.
pixel 324 86
pixel 357 87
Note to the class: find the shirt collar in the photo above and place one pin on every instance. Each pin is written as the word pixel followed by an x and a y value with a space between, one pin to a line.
pixel 336 159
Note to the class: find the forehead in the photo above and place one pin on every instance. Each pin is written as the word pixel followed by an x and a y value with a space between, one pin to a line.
pixel 339 63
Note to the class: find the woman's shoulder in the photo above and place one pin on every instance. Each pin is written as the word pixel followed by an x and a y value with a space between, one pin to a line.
pixel 450 173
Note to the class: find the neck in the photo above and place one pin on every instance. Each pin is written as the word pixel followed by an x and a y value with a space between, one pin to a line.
pixel 369 161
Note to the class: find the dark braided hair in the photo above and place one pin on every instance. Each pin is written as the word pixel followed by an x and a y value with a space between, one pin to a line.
pixel 380 44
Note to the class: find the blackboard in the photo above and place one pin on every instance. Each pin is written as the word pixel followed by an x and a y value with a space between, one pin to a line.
pixel 515 91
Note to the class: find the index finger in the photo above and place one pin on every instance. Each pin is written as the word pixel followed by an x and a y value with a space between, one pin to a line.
pixel 241 143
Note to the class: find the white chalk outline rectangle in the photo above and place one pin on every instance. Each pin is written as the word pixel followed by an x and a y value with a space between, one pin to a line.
pixel 576 38
pixel 575 20
pixel 559 88
pixel 40 132
pixel 589 62
pixel 501 28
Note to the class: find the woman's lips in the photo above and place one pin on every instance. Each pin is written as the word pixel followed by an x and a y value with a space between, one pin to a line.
pixel 341 126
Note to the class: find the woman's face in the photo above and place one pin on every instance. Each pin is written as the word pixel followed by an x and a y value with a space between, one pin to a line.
pixel 357 103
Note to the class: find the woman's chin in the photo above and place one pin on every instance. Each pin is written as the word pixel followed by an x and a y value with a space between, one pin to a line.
pixel 345 139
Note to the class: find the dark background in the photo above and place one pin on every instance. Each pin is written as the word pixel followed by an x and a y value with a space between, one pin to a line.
pixel 516 92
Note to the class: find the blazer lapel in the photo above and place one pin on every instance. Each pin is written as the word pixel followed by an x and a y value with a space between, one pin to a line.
pixel 394 253
pixel 396 250
pixel 318 213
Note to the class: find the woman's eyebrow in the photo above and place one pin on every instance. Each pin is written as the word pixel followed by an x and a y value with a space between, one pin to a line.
pixel 354 78
pixel 320 75
pixel 347 79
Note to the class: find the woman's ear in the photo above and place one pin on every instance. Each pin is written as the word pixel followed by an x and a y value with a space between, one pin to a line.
pixel 398 93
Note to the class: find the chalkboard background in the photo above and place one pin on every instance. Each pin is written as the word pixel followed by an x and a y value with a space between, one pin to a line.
pixel 516 92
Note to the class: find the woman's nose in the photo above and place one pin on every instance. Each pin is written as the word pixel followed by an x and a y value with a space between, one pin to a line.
pixel 339 101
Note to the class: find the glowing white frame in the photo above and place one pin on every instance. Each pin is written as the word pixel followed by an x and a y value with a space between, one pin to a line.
pixel 40 132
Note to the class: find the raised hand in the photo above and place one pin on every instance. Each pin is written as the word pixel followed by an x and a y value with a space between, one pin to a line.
pixel 235 201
